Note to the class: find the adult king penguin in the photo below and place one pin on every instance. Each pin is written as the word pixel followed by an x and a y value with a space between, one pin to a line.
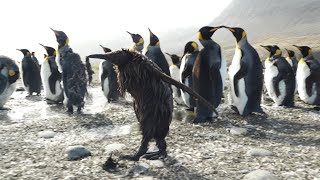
pixel 279 78
pixel 209 72
pixel 138 42
pixel 191 51
pixel 154 53
pixel 245 75
pixel 73 73
pixel 292 60
pixel 174 71
pixel 308 77
pixel 51 77
pixel 9 73
pixel 30 73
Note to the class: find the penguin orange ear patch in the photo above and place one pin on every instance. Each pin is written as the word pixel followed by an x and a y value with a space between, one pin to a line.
pixel 199 36
pixel 12 72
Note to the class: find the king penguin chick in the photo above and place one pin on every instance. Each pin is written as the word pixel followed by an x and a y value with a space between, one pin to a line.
pixel 279 78
pixel 191 51
pixel 30 73
pixel 209 73
pixel 308 77
pixel 245 75
pixel 51 77
pixel 9 73
pixel 292 60
pixel 152 97
pixel 154 53
pixel 108 79
pixel 138 42
pixel 73 73
pixel 174 71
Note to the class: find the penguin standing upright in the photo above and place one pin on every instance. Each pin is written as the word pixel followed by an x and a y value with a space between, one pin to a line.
pixel 245 75
pixel 9 73
pixel 73 73
pixel 108 78
pixel 30 73
pixel 191 51
pixel 209 72
pixel 308 77
pixel 174 71
pixel 33 56
pixel 154 53
pixel 51 77
pixel 292 60
pixel 138 42
pixel 279 78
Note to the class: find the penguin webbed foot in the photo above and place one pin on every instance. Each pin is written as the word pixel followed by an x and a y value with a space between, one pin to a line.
pixel 137 155
pixel 70 110
pixel 161 154
pixel 198 120
pixel 190 109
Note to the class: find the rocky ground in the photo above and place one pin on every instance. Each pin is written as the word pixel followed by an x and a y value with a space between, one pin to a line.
pixel 37 141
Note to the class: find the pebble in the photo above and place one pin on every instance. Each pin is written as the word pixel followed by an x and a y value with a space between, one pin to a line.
pixel 259 152
pixel 238 131
pixel 145 178
pixel 157 163
pixel 46 134
pixel 114 147
pixel 259 175
pixel 141 168
pixel 77 152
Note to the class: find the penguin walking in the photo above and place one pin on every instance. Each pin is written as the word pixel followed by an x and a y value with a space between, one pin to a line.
pixel 245 75
pixel 174 71
pixel 279 78
pixel 154 53
pixel 292 60
pixel 108 79
pixel 30 73
pixel 308 77
pixel 138 42
pixel 209 72
pixel 51 77
pixel 9 73
pixel 191 51
pixel 73 73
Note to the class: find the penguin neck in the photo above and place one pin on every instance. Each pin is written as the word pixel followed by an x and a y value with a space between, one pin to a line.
pixel 138 46
pixel 309 57
pixel 242 42
pixel 64 50
pixel 208 43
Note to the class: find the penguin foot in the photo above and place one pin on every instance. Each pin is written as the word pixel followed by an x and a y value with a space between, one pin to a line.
pixel 201 120
pixel 190 109
pixel 110 165
pixel 49 101
pixel 4 109
pixel 70 110
pixel 155 155
pixel 131 158
pixel 234 108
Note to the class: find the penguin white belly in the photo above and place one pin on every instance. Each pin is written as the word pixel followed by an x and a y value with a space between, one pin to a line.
pixel 241 101
pixel 185 96
pixel 58 62
pixel 272 71
pixel 303 72
pixel 4 97
pixel 223 68
pixel 45 74
pixel 106 87
pixel 175 74
pixel 289 61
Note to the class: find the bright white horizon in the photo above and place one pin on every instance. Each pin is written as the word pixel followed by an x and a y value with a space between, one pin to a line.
pixel 24 24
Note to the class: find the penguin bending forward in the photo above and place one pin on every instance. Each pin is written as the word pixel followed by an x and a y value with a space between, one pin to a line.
pixel 245 75
pixel 30 73
pixel 9 73
pixel 73 73
pixel 51 77
pixel 151 91
pixel 209 72
pixel 279 78
pixel 191 51
pixel 308 77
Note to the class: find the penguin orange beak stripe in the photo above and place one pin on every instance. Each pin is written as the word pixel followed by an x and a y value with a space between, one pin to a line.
pixel 214 29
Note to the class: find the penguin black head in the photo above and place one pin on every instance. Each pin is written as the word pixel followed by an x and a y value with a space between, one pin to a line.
pixel 237 32
pixel 118 58
pixel 105 49
pixel 274 50
pixel 154 41
pixel 190 47
pixel 61 37
pixel 305 50
pixel 175 58
pixel 206 32
pixel 25 52
pixel 136 38
pixel 290 53
pixel 50 50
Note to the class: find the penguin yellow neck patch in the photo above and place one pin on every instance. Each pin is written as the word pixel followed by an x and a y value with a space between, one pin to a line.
pixel 46 59
pixel 243 34
pixel 12 72
pixel 67 42
pixel 199 36
pixel 301 61
pixel 140 41
pixel 158 43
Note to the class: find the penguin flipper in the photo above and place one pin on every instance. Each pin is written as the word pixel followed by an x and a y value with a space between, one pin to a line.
pixel 309 84
pixel 275 81
pixel 104 75
pixel 240 74
pixel 215 77
pixel 52 82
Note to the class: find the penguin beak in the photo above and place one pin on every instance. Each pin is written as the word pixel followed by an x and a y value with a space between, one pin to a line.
pixel 151 34
pixel 215 28
pixel 229 28
pixel 129 33
pixel 266 47
pixel 43 46
pixel 117 57
pixel 298 47
pixel 55 32
pixel 168 54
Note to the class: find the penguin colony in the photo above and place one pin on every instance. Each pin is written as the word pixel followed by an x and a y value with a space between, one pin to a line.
pixel 195 80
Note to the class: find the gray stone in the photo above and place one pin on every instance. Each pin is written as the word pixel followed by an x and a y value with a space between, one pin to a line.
pixel 259 152
pixel 157 163
pixel 259 175
pixel 141 168
pixel 145 178
pixel 114 147
pixel 46 134
pixel 238 131
pixel 77 152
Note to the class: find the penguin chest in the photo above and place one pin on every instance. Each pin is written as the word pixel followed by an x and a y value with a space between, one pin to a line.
pixel 174 71
pixel 106 88
pixel 270 73
pixel 5 95
pixel 241 100
pixel 303 72
pixel 289 61
pixel 184 95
